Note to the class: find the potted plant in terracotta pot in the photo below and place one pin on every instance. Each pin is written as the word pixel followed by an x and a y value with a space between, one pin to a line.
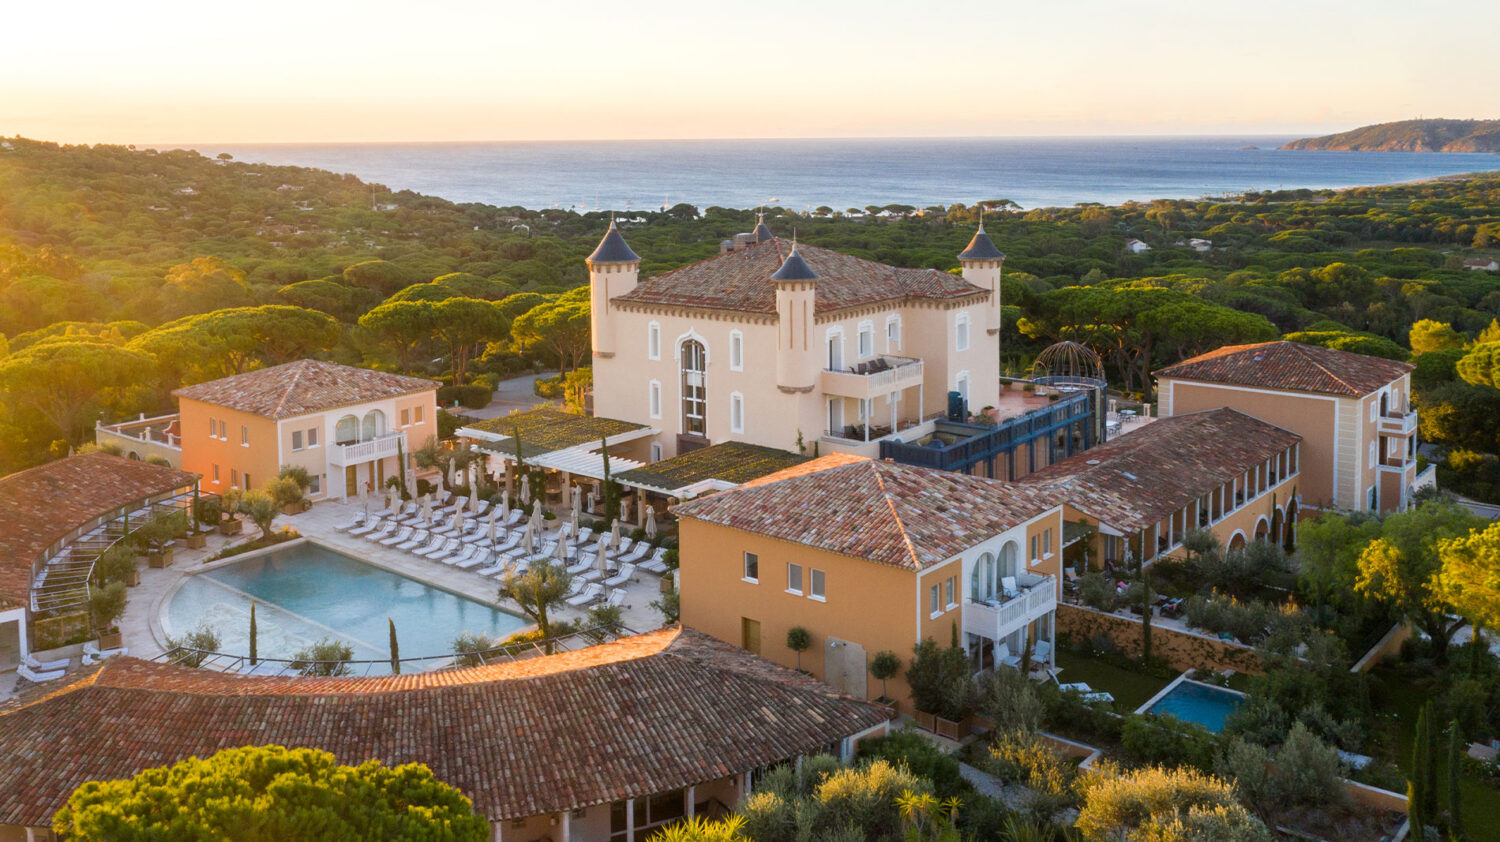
pixel 154 538
pixel 288 492
pixel 117 564
pixel 106 604
pixel 229 505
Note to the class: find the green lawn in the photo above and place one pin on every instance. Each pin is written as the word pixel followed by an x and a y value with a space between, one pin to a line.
pixel 1131 689
pixel 1481 804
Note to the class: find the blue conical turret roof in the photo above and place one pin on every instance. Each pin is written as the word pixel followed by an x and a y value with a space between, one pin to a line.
pixel 981 248
pixel 613 248
pixel 762 233
pixel 794 268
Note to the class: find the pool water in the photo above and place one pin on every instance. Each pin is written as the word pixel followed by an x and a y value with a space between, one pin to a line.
pixel 1204 704
pixel 308 592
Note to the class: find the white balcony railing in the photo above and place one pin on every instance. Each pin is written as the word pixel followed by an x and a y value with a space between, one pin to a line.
pixel 899 373
pixel 355 453
pixel 996 619
pixel 1399 424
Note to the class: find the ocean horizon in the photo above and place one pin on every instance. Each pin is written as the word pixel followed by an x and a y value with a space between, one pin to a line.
pixel 842 173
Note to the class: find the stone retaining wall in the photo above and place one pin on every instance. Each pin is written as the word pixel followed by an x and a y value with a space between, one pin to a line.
pixel 1180 650
pixel 52 632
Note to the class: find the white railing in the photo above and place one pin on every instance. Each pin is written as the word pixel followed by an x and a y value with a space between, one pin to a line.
pixel 1399 424
pixel 365 451
pixel 904 372
pixel 997 621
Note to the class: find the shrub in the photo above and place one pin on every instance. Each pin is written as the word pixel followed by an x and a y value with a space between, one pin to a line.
pixel 1116 806
pixel 326 657
pixel 472 396
pixel 1017 757
pixel 1167 740
pixel 106 604
pixel 116 564
pixel 271 792
pixel 204 638
pixel 1098 592
pixel 940 680
pixel 1307 770
pixel 1008 699
pixel 923 759
pixel 208 511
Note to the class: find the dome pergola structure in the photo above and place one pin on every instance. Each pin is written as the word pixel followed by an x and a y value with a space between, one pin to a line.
pixel 1068 366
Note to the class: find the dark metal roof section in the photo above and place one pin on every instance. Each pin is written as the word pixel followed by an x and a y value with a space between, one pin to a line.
pixel 980 248
pixel 613 249
pixel 762 233
pixel 794 268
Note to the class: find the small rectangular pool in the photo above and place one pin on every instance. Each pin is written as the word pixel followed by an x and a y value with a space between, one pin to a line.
pixel 1194 701
pixel 308 591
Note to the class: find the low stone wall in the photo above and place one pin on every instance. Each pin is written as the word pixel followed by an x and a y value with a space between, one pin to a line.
pixel 52 632
pixel 1388 647
pixel 1379 799
pixel 1180 650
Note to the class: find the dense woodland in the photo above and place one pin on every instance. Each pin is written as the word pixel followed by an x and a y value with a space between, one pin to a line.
pixel 126 273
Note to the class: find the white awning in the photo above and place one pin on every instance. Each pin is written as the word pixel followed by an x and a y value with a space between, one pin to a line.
pixel 580 461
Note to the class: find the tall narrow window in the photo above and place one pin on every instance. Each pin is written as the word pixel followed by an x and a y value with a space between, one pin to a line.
pixel 296 439
pixel 419 415
pixel 694 391
pixel 736 351
pixel 934 601
pixel 736 413
pixel 817 580
pixel 893 333
pixel 866 340
pixel 752 567
pixel 961 332
pixel 835 351
pixel 245 435
pixel 312 436
pixel 794 578
pixel 653 341
pixel 654 398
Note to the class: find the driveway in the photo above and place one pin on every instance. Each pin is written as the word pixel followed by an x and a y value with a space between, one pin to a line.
pixel 513 394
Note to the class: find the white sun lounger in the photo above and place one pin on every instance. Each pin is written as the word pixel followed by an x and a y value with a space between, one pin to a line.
pixel 480 556
pixel 46 666
pixel 616 598
pixel 593 574
pixel 401 535
pixel 580 565
pixel 625 545
pixel 641 548
pixel 484 506
pixel 626 571
pixel 590 593
pixel 657 563
pixel 416 539
pixel 92 654
pixel 463 553
pixel 447 545
pixel 514 517
pixel 584 535
pixel 385 531
pixel 345 527
pixel 499 565
pixel 38 677
pixel 374 524
pixel 448 549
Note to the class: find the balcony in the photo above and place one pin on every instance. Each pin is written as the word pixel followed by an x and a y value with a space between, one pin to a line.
pixel 881 376
pixel 1398 424
pixel 995 619
pixel 355 453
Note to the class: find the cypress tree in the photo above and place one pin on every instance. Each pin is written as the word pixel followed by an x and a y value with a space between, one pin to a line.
pixel 1146 618
pixel 395 648
pixel 252 633
pixel 1419 778
pixel 1455 772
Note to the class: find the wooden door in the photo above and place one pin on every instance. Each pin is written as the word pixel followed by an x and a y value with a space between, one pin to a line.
pixel 351 481
pixel 750 635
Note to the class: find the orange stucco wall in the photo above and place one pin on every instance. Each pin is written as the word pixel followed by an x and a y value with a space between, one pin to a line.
pixel 873 605
pixel 201 451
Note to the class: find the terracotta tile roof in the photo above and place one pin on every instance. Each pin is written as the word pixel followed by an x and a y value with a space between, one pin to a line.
pixel 545 429
pixel 1141 477
pixel 741 281
pixel 731 461
pixel 304 386
pixel 1291 366
pixel 643 715
pixel 41 505
pixel 885 512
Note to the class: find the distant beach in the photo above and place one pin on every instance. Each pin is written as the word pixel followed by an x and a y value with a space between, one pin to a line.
pixel 842 173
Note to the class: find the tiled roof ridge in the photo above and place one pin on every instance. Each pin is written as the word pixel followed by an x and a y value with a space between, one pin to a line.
pixel 890 501
pixel 42 693
pixel 1300 349
pixel 290 387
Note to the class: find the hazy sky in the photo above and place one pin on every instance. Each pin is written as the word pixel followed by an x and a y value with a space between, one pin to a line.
pixel 562 69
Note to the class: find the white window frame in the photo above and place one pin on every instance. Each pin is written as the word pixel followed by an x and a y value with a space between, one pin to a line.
pixel 216 474
pixel 296 440
pixel 961 332
pixel 934 602
pixel 950 594
pixel 736 412
pixel 892 338
pixel 1372 454
pixel 656 451
pixel 961 385
pixel 791 568
pixel 745 561
pixel 736 350
pixel 244 435
pixel 312 437
pixel 817 584
pixel 834 332
pixel 406 417
pixel 1374 407
pixel 865 342
pixel 419 420
pixel 315 484
pixel 653 398
pixel 653 341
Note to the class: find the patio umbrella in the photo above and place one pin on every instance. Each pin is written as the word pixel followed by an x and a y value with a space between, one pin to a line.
pixel 577 504
pixel 601 560
pixel 624 508
pixel 452 472
pixel 528 539
pixel 525 488
pixel 562 552
pixel 541 506
pixel 651 523
pixel 574 531
pixel 490 536
pixel 505 504
pixel 474 497
pixel 457 522
pixel 395 501
pixel 538 523
pixel 592 501
pixel 427 509
pixel 614 535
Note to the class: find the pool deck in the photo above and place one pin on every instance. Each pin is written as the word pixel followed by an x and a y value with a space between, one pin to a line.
pixel 141 624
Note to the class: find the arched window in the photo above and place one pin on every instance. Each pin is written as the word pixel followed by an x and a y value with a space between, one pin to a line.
pixel 694 394
pixel 982 581
pixel 1008 559
pixel 347 431
pixel 374 425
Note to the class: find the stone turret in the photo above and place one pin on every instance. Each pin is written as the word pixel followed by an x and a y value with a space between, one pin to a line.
pixel 614 270
pixel 797 355
pixel 981 263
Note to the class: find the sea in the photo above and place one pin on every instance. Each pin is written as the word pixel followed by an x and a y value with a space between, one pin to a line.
pixel 805 174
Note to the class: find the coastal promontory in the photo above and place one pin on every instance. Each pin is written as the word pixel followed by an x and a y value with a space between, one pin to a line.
pixel 1411 136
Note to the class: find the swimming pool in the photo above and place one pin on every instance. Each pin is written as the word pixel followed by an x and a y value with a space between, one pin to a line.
pixel 307 592
pixel 1194 701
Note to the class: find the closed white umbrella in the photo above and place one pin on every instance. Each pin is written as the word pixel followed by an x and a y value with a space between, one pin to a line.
pixel 650 523
pixel 562 551
pixel 457 522
pixel 614 535
pixel 592 501
pixel 452 472
pixel 394 501
pixel 541 506
pixel 577 503
pixel 474 498
pixel 491 534
pixel 624 508
pixel 525 488
pixel 505 503
pixel 574 532
pixel 427 509
pixel 601 560
pixel 528 539
pixel 538 523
